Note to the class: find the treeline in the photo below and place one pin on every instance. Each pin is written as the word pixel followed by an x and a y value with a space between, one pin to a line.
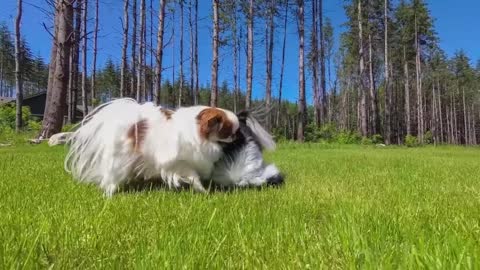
pixel 396 81
pixel 388 81
pixel 35 70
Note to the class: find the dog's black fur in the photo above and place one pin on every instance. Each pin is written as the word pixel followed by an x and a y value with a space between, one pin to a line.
pixel 245 136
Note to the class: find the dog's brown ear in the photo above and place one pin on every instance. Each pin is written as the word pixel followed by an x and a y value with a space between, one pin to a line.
pixel 210 120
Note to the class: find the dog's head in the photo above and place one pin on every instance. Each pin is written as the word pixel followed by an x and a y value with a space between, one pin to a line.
pixel 251 128
pixel 217 125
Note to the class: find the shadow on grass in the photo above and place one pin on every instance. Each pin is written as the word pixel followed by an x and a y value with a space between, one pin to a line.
pixel 140 186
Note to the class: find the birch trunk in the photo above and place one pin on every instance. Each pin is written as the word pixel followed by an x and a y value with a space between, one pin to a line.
pixel 159 53
pixel 214 93
pixel 94 59
pixel 84 58
pixel 301 73
pixel 123 70
pixel 18 68
pixel 248 97
pixel 282 66
pixel 362 91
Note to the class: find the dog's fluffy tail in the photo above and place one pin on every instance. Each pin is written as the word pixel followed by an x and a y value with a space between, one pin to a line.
pixel 263 137
pixel 96 139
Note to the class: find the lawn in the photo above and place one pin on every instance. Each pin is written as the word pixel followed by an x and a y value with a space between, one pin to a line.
pixel 342 207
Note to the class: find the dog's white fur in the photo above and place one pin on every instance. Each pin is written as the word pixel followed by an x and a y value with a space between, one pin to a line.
pixel 102 152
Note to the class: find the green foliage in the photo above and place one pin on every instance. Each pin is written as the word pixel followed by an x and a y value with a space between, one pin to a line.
pixel 33 125
pixel 108 80
pixel 279 134
pixel 411 141
pixel 377 138
pixel 8 116
pixel 347 137
pixel 323 133
pixel 329 134
pixel 428 137
pixel 366 141
pixel 7 125
pixel 68 127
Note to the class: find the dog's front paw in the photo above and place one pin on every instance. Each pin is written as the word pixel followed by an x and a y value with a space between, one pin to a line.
pixel 109 190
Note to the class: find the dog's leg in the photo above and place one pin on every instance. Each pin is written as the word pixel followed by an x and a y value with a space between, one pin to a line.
pixel 116 172
pixel 109 190
pixel 197 184
pixel 191 178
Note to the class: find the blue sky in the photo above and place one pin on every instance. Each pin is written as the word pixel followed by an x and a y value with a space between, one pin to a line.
pixel 457 25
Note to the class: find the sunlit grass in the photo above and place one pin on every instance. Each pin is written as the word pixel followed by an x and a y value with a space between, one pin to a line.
pixel 342 207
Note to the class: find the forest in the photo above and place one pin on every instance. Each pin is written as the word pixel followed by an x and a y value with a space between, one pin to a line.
pixel 387 81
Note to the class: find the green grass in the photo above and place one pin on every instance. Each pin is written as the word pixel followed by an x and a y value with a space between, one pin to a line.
pixel 342 207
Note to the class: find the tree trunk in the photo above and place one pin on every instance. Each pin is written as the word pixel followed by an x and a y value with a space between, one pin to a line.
pixel 469 124
pixel 134 49
pixel 434 116
pixel 190 24
pixel 474 130
pixel 84 58
pixel 123 71
pixel 172 98
pixel 53 58
pixel 465 127
pixel 235 58
pixel 302 113
pixel 449 133
pixel 388 128
pixel 180 88
pixel 1 76
pixel 268 90
pixel 420 118
pixel 144 92
pixel 197 88
pixel 323 84
pixel 455 125
pixel 373 92
pixel 442 132
pixel 407 93
pixel 150 50
pixel 159 54
pixel 450 121
pixel 317 99
pixel 282 66
pixel 18 68
pixel 214 93
pixel 344 111
pixel 249 55
pixel 71 81
pixel 94 60
pixel 362 89
pixel 75 52
pixel 54 112
pixel 141 53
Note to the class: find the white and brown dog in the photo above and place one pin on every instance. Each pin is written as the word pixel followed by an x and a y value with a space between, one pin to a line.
pixel 122 140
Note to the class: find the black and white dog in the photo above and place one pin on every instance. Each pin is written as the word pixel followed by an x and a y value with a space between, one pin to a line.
pixel 242 164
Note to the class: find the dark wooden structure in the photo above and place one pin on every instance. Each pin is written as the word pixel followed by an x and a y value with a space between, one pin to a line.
pixel 36 103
